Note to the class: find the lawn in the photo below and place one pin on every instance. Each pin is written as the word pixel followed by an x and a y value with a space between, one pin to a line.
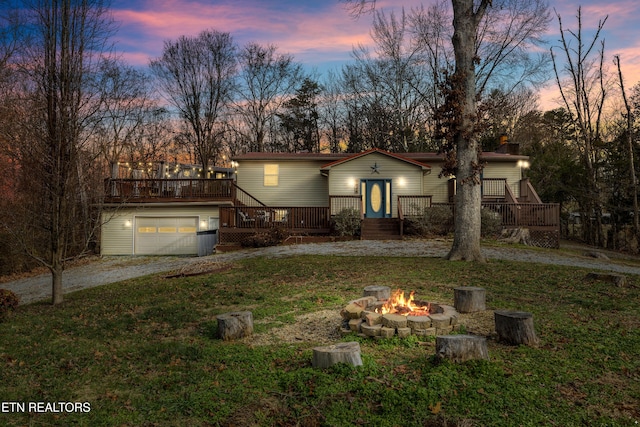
pixel 144 352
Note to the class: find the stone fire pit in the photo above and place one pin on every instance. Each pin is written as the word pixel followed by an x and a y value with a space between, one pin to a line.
pixel 364 316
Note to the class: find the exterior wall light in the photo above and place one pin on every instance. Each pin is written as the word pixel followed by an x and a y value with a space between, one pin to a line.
pixel 353 183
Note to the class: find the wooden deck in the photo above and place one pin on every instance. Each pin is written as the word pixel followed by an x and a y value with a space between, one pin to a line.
pixel 241 214
pixel 169 190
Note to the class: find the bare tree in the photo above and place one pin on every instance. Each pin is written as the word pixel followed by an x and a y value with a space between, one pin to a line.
pixel 432 33
pixel 469 79
pixel 583 94
pixel 267 81
pixel 389 86
pixel 197 76
pixel 502 112
pixel 629 134
pixel 332 112
pixel 507 38
pixel 131 125
pixel 65 37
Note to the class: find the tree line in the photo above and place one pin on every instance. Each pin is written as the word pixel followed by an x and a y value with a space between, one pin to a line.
pixel 71 109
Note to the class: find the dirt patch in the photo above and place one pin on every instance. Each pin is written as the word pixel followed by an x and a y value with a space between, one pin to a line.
pixel 479 323
pixel 323 327
pixel 320 327
pixel 198 268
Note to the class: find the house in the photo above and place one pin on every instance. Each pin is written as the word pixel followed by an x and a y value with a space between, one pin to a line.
pixel 301 192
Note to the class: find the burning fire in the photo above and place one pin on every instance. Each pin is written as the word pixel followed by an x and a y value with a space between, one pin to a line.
pixel 398 304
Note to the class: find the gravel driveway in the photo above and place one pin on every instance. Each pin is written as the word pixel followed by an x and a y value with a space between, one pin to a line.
pixel 114 269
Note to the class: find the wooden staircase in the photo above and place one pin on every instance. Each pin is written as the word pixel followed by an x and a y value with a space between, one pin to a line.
pixel 380 229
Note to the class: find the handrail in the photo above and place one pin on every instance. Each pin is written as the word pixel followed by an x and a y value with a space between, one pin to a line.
pixel 518 214
pixel 508 194
pixel 415 205
pixel 127 189
pixel 249 196
pixel 158 189
pixel 400 216
pixel 494 187
pixel 338 203
pixel 288 217
pixel 527 192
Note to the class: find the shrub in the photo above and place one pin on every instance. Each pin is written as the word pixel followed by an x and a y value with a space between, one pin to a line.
pixel 8 302
pixel 273 237
pixel 434 220
pixel 347 222
pixel 490 223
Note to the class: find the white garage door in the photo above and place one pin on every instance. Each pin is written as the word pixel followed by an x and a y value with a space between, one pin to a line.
pixel 166 236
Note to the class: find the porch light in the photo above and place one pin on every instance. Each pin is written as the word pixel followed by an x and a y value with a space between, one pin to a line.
pixel 524 164
pixel 402 182
pixel 203 225
pixel 353 183
pixel 127 224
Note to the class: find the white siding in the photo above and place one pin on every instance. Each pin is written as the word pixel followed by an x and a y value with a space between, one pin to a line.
pixel 437 188
pixel 509 170
pixel 117 233
pixel 299 182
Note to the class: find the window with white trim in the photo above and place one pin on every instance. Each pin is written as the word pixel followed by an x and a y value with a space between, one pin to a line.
pixel 271 173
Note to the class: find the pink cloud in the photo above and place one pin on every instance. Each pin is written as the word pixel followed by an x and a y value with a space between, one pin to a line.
pixel 332 30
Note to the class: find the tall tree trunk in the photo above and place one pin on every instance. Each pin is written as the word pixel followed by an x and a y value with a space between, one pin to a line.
pixel 629 141
pixel 466 241
pixel 56 283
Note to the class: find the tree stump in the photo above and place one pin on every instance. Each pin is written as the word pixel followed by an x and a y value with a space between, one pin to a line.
pixel 345 352
pixel 460 348
pixel 517 235
pixel 380 292
pixel 469 299
pixel 515 327
pixel 232 326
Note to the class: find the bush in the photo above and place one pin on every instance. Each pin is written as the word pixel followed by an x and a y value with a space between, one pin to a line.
pixel 434 220
pixel 8 302
pixel 347 222
pixel 273 237
pixel 490 223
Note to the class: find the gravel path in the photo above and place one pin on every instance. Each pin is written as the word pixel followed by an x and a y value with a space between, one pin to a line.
pixel 114 269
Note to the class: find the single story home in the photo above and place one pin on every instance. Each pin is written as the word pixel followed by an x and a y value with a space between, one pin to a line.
pixel 300 192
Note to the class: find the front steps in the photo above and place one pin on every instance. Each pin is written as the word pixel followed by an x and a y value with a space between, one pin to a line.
pixel 380 229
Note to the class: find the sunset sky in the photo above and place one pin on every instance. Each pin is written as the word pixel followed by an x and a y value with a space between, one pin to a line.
pixel 321 34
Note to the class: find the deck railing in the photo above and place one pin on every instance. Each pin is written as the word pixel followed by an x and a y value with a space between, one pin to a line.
pixel 413 205
pixel 512 215
pixel 498 188
pixel 129 190
pixel 526 214
pixel 493 187
pixel 338 203
pixel 293 218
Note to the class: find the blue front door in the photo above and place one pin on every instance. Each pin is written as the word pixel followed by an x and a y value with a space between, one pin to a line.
pixel 377 197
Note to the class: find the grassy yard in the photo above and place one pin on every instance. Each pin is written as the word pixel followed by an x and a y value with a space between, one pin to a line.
pixel 144 353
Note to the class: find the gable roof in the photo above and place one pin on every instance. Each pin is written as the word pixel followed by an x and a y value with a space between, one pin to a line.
pixel 396 156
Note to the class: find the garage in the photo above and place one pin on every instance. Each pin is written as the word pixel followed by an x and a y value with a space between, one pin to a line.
pixel 166 236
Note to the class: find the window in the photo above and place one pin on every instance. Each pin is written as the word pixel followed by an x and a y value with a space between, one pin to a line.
pixel 271 173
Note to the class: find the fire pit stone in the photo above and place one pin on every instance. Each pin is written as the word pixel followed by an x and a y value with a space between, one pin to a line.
pixel 394 321
pixel 363 316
